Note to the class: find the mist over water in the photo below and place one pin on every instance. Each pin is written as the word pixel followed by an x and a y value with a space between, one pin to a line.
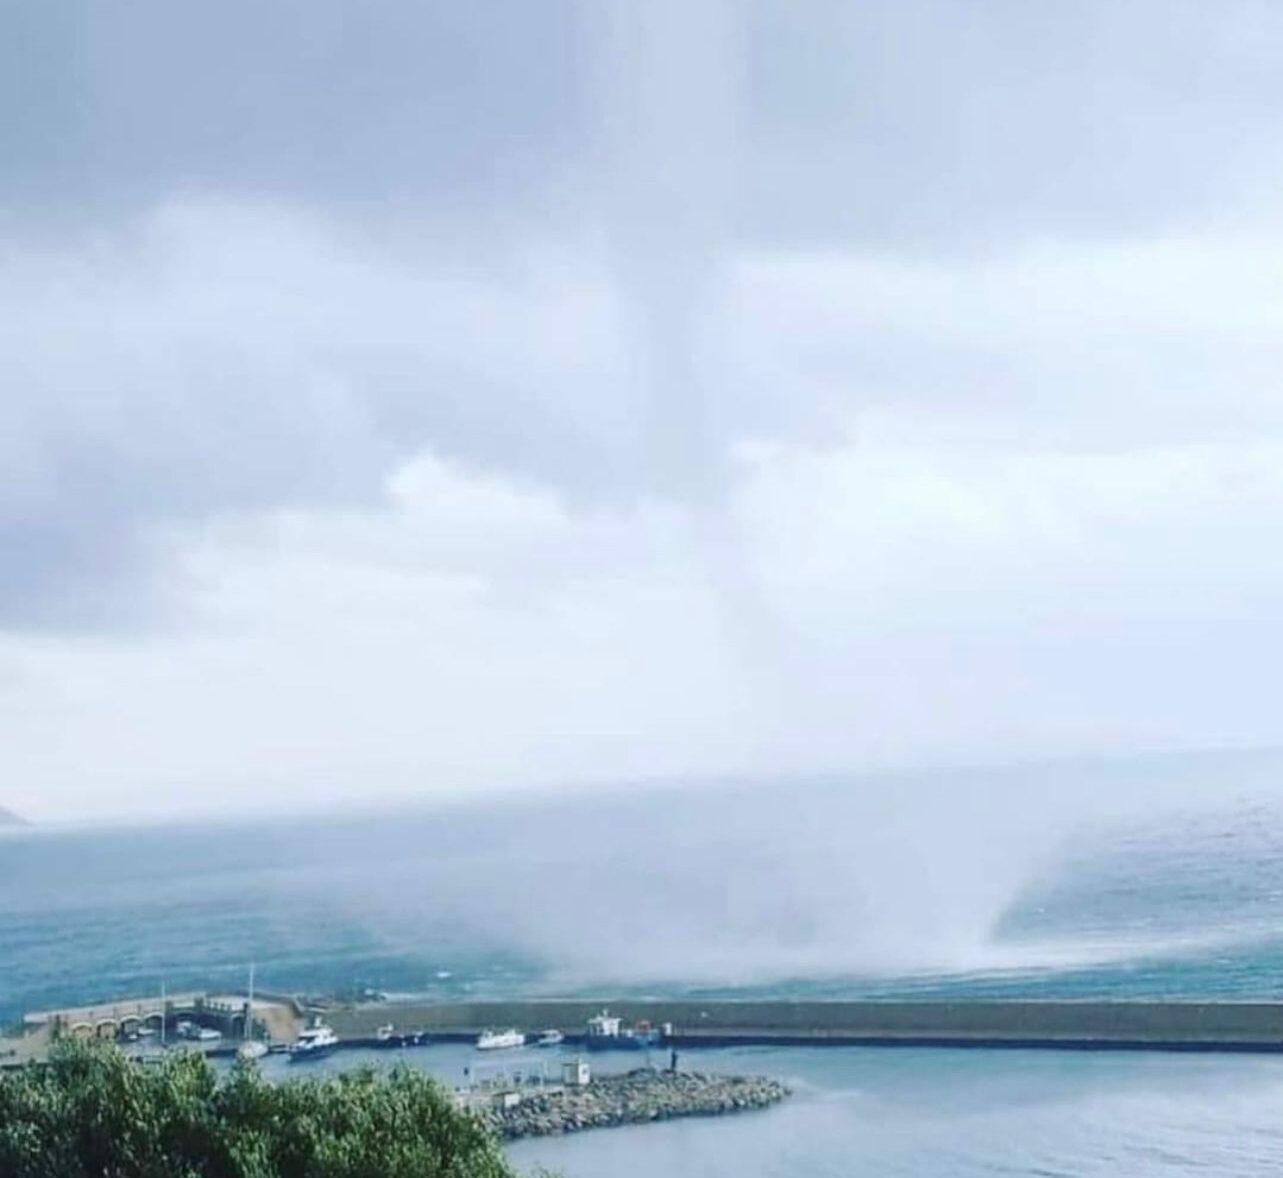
pixel 1146 878
pixel 983 881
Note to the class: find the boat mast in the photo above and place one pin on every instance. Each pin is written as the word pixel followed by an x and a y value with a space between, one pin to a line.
pixel 249 1004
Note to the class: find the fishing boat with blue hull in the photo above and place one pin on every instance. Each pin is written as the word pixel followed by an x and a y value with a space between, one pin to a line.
pixel 606 1032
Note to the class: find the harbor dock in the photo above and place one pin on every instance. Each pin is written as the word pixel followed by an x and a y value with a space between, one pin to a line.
pixel 154 1018
pixel 1087 1025
pixel 1066 1025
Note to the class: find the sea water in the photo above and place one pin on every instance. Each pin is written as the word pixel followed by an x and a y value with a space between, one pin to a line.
pixel 1062 881
pixel 919 1112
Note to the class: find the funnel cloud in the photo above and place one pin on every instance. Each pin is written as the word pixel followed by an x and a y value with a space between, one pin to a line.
pixel 412 399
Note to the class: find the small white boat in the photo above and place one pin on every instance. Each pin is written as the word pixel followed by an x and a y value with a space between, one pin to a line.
pixel 313 1042
pixel 550 1038
pixel 251 1049
pixel 495 1040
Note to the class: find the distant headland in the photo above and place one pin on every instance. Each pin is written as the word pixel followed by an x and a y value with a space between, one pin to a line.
pixel 9 818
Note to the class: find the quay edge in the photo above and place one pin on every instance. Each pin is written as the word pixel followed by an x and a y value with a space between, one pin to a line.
pixel 1072 1025
pixel 1129 1025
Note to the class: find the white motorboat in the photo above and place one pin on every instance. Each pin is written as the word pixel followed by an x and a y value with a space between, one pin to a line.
pixel 495 1040
pixel 313 1043
pixel 550 1038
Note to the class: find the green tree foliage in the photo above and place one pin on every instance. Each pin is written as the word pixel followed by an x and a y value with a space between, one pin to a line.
pixel 91 1113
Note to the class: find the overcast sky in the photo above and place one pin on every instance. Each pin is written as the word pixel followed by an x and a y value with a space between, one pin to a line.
pixel 409 397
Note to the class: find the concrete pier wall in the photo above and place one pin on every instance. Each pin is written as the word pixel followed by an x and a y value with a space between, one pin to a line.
pixel 1255 1026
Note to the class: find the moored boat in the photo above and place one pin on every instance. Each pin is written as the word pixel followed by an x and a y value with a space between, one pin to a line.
pixel 313 1043
pixel 495 1040
pixel 550 1038
pixel 194 1031
pixel 388 1036
pixel 606 1032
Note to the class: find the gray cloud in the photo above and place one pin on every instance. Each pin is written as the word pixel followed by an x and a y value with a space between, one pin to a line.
pixel 254 256
pixel 938 125
pixel 238 359
pixel 874 122
pixel 326 102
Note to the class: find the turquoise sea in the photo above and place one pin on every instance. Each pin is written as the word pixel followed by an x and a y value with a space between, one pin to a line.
pixel 1161 877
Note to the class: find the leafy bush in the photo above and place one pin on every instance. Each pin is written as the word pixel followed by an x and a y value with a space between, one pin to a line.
pixel 91 1113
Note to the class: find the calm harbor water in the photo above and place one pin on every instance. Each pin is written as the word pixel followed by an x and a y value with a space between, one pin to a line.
pixel 976 885
pixel 914 1112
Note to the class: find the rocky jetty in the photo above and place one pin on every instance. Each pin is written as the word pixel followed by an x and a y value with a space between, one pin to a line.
pixel 636 1097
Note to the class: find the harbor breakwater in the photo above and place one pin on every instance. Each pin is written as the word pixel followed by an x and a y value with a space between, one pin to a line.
pixel 1134 1025
pixel 638 1097
pixel 1081 1025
